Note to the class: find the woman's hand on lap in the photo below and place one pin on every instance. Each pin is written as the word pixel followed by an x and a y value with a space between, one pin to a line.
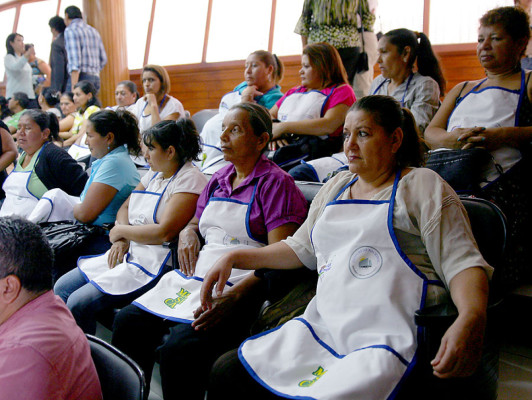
pixel 117 252
pixel 188 250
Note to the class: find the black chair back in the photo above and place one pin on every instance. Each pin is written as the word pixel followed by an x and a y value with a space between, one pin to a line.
pixel 120 377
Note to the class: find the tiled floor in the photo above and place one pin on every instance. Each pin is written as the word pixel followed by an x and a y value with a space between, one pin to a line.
pixel 515 373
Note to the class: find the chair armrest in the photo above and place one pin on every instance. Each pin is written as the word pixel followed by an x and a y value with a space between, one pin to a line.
pixel 441 314
pixel 172 245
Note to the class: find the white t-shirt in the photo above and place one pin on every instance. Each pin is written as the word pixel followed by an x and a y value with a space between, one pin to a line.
pixel 189 179
pixel 172 106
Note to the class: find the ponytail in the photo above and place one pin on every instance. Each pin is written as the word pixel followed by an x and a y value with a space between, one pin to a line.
pixel 421 51
pixel 427 63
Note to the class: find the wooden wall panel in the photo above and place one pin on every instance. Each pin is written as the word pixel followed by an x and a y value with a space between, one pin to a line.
pixel 203 85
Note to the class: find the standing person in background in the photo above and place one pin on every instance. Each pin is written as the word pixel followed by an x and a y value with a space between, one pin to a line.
pixel 334 22
pixel 363 79
pixel 86 54
pixel 18 69
pixel 40 70
pixel 58 54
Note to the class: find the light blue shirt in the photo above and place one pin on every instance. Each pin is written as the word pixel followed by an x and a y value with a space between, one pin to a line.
pixel 117 170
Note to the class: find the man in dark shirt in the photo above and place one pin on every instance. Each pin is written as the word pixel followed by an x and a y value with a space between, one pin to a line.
pixel 58 54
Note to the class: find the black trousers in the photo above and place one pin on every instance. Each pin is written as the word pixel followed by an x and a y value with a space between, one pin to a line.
pixel 349 56
pixel 185 356
pixel 230 380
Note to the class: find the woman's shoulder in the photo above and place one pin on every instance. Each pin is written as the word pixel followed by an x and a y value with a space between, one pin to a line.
pixel 425 183
pixel 90 110
pixel 295 89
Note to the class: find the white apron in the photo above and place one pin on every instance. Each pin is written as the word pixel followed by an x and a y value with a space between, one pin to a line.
pixel 19 200
pixel 225 226
pixel 300 106
pixel 54 205
pixel 357 337
pixel 80 150
pixel 143 262
pixel 212 158
pixel 325 166
pixel 491 107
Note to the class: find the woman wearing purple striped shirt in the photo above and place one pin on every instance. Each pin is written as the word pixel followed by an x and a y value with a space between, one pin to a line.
pixel 247 204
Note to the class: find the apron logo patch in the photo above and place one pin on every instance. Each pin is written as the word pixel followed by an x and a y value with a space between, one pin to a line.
pixel 229 240
pixel 325 268
pixel 318 374
pixel 365 262
pixel 182 295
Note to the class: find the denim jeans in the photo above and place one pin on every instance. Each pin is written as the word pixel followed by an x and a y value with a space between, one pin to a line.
pixel 83 76
pixel 85 300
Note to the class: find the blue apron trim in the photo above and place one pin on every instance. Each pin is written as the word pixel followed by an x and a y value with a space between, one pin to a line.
pixel 407 373
pixel 196 278
pixel 51 203
pixel 182 320
pixel 521 96
pixel 211 146
pixel 228 200
pixel 406 88
pixel 260 381
pixel 521 91
pixel 322 111
pixel 145 192
pixel 210 165
pixel 254 375
pixel 142 269
pixel 83 258
pixel 248 212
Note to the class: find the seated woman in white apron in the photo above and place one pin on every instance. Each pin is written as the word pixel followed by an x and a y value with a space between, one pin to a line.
pixel 8 155
pixel 87 103
pixel 357 337
pixel 495 113
pixel 247 204
pixel 156 211
pixel 156 104
pixel 262 72
pixel 42 166
pixel 111 136
pixel 314 111
pixel 419 91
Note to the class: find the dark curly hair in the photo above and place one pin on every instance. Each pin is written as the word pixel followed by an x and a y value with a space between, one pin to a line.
pixel 181 134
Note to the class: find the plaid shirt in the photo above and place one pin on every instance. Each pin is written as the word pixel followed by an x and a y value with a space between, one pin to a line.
pixel 84 48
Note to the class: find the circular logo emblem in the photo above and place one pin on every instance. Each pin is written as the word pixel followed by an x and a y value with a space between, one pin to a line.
pixel 365 262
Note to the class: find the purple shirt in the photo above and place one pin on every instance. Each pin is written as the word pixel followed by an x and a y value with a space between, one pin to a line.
pixel 45 355
pixel 278 200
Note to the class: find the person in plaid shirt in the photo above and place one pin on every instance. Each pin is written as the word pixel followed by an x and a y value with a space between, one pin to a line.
pixel 86 54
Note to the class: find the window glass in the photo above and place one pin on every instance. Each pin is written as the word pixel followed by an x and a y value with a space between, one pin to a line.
pixel 178 32
pixel 446 25
pixel 393 14
pixel 137 20
pixel 285 41
pixel 36 30
pixel 7 18
pixel 238 27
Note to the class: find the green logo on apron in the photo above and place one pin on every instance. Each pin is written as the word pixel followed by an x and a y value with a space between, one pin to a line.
pixel 318 374
pixel 181 297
